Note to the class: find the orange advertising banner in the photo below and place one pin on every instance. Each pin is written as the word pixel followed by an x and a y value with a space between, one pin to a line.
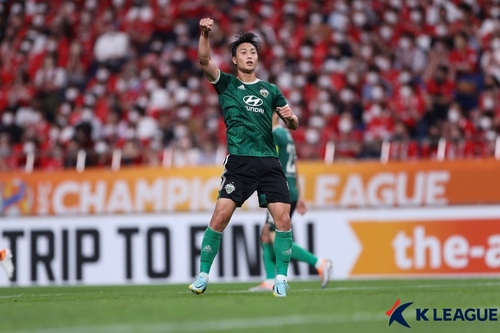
pixel 400 184
pixel 341 185
pixel 428 247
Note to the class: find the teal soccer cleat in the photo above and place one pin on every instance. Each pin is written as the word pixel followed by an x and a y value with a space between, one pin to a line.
pixel 280 288
pixel 199 286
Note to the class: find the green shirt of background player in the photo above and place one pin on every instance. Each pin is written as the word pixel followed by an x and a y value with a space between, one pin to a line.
pixel 285 146
pixel 248 105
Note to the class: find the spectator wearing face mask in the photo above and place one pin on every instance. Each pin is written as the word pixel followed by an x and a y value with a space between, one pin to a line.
pixel 388 37
pixel 409 56
pixel 490 96
pixel 414 23
pixel 468 19
pixel 440 15
pixel 388 73
pixel 139 24
pixel 348 139
pixel 457 117
pixel 379 125
pixel 375 88
pixel 408 105
pixel 350 103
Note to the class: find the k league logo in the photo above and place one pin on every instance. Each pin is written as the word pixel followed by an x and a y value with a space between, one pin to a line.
pixel 252 100
pixel 396 313
pixel 441 315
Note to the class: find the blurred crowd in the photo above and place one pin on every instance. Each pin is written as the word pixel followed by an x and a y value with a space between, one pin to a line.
pixel 103 75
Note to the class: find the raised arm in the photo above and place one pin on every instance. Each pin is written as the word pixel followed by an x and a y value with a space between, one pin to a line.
pixel 209 68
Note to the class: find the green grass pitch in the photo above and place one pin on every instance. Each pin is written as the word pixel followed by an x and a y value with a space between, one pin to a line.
pixel 345 306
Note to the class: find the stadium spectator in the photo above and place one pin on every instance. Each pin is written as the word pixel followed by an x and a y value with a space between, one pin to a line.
pixel 439 93
pixel 112 46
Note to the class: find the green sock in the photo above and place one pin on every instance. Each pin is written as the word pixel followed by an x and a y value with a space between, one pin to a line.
pixel 269 260
pixel 301 254
pixel 209 249
pixel 283 251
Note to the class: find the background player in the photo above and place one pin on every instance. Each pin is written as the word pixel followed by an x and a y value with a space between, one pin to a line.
pixel 287 156
pixel 252 164
pixel 6 262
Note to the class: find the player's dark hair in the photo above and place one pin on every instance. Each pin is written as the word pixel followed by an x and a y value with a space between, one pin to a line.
pixel 245 37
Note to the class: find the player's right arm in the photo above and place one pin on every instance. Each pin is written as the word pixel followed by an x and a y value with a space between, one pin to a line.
pixel 207 65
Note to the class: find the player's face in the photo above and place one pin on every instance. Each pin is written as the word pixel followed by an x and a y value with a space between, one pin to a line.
pixel 246 58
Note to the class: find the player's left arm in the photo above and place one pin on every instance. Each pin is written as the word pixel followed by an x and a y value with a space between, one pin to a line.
pixel 289 118
pixel 284 110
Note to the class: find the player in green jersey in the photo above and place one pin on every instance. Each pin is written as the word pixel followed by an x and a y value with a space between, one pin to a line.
pixel 287 156
pixel 247 105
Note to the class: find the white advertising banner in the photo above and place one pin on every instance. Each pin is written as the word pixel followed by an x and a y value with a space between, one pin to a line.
pixel 165 248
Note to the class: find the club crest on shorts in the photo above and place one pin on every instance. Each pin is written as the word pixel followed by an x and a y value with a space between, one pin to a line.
pixel 264 92
pixel 229 188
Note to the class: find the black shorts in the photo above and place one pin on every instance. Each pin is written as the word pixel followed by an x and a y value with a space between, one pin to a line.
pixel 269 218
pixel 244 175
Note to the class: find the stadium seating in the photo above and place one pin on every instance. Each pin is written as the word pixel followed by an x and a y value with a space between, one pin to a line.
pixel 110 83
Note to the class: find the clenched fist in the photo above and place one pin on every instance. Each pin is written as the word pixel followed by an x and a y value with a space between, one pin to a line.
pixel 206 24
pixel 285 112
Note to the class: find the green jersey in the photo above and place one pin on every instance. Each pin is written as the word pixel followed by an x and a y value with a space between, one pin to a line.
pixel 287 156
pixel 248 109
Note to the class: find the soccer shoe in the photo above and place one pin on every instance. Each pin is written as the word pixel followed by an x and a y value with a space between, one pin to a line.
pixel 325 272
pixel 264 286
pixel 280 288
pixel 6 262
pixel 199 286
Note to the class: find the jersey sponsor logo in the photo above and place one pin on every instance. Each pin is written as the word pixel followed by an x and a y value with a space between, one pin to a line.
pixel 242 87
pixel 253 109
pixel 264 92
pixel 252 100
pixel 252 103
pixel 229 188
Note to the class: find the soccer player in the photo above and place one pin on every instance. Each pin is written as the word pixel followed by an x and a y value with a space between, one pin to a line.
pixel 252 164
pixel 6 262
pixel 287 156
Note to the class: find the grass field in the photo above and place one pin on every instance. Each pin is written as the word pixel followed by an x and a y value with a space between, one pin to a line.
pixel 346 306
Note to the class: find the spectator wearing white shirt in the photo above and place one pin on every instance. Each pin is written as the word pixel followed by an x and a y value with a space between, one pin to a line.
pixel 112 47
pixel 50 78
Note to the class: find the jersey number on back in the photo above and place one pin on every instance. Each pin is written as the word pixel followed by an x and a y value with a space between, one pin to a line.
pixel 290 164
